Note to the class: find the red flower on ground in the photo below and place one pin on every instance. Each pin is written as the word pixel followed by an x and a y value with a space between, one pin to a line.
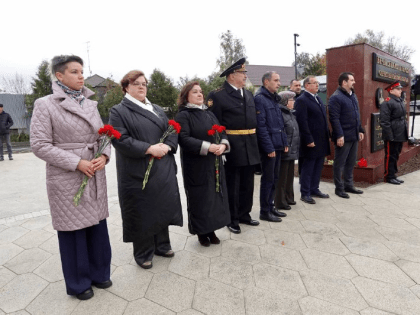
pixel 362 163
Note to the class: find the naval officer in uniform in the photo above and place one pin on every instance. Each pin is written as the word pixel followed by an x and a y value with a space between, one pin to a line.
pixel 235 109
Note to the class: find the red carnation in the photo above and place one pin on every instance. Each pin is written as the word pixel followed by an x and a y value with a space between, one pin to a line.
pixel 215 127
pixel 116 134
pixel 173 123
pixel 362 163
pixel 211 132
pixel 220 129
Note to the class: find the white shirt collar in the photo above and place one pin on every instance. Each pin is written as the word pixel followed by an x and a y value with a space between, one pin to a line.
pixel 314 95
pixel 146 105
pixel 242 93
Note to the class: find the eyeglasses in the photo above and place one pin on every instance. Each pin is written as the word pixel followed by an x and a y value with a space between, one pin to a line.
pixel 314 82
pixel 144 84
pixel 241 71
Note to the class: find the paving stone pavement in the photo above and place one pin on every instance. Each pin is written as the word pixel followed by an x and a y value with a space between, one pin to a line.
pixel 338 257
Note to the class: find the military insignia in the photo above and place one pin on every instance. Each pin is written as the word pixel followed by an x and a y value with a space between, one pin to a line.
pixel 210 103
pixel 387 99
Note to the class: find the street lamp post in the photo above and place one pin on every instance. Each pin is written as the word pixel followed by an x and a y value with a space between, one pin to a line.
pixel 296 35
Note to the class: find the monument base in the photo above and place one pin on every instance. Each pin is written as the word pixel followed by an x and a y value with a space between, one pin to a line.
pixel 373 174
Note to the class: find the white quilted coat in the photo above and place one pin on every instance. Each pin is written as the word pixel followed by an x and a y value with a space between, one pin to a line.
pixel 62 133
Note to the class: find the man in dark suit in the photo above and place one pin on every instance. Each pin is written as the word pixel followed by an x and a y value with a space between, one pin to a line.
pixel 347 131
pixel 235 109
pixel 314 134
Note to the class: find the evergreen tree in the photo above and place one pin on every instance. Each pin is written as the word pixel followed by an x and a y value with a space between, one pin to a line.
pixel 161 91
pixel 41 86
pixel 112 97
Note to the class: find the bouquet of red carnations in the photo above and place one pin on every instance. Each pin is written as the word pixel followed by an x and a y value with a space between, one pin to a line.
pixel 173 127
pixel 215 131
pixel 108 132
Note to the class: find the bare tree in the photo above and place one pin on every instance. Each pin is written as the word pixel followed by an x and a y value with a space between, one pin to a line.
pixel 390 45
pixel 231 49
pixel 17 84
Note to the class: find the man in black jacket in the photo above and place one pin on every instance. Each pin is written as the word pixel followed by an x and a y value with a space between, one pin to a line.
pixel 295 87
pixel 5 123
pixel 394 130
pixel 235 109
pixel 347 131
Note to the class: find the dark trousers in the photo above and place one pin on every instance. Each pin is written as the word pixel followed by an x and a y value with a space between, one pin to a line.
pixel 85 257
pixel 392 153
pixel 284 189
pixel 5 138
pixel 310 175
pixel 269 178
pixel 344 160
pixel 240 186
pixel 145 249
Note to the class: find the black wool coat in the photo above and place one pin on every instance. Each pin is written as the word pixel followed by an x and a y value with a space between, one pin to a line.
pixel 208 210
pixel 144 212
pixel 393 120
pixel 313 126
pixel 236 113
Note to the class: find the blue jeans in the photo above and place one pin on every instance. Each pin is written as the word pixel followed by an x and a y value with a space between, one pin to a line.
pixel 5 137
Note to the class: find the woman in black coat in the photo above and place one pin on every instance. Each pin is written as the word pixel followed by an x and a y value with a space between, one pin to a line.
pixel 147 213
pixel 284 196
pixel 208 210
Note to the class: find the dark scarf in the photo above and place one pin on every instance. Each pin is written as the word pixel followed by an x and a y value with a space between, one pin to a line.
pixel 74 95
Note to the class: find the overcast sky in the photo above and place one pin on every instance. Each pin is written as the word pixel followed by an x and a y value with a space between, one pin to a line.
pixel 182 37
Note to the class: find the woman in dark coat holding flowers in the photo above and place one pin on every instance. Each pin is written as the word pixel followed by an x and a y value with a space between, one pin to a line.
pixel 208 210
pixel 147 213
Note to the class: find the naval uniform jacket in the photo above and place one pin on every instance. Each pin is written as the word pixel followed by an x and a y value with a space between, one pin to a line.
pixel 236 113
pixel 393 120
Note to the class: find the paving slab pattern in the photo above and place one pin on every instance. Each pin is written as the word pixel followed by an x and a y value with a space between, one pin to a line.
pixel 338 257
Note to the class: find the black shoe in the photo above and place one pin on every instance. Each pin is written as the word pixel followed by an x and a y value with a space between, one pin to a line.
pixel 250 222
pixel 103 285
pixel 319 194
pixel 285 208
pixel 393 181
pixel 213 238
pixel 204 240
pixel 308 199
pixel 86 295
pixel 342 194
pixel 234 229
pixel 268 216
pixel 353 190
pixel 10 158
pixel 292 203
pixel 400 180
pixel 277 213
